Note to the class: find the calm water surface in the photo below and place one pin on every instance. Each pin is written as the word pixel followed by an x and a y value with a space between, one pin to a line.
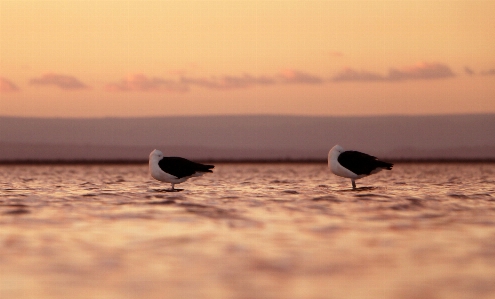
pixel 247 231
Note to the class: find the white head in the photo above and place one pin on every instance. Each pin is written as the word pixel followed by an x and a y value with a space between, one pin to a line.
pixel 334 153
pixel 156 155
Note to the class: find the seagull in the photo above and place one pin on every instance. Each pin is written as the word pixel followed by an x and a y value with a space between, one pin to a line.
pixel 354 165
pixel 174 170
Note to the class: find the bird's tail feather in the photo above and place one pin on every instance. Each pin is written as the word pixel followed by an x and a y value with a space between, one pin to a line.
pixel 385 165
pixel 206 168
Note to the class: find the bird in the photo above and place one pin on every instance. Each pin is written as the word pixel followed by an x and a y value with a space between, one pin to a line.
pixel 353 164
pixel 174 170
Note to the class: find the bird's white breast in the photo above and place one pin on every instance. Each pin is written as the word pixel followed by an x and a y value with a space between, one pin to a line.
pixel 340 170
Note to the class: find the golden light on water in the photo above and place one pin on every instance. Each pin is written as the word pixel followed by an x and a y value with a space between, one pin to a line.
pixel 249 230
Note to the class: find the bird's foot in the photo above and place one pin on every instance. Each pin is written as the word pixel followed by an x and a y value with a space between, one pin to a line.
pixel 167 190
pixel 359 189
pixel 173 190
pixel 364 189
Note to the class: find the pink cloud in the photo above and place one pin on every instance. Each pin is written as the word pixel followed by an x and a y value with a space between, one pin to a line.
pixel 490 72
pixel 469 71
pixel 231 82
pixel 7 85
pixel 140 82
pixel 421 71
pixel 349 74
pixel 425 71
pixel 228 82
pixel 62 81
pixel 297 77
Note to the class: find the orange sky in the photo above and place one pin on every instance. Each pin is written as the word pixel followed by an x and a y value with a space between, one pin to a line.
pixel 152 58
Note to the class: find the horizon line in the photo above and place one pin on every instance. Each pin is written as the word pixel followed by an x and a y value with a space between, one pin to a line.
pixel 250 115
pixel 233 161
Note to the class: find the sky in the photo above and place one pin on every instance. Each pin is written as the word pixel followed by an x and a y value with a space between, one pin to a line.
pixel 107 58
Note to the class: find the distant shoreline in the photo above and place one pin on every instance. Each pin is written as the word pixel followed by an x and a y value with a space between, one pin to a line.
pixel 247 139
pixel 238 161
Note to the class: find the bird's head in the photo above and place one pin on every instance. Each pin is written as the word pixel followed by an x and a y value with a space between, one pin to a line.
pixel 335 152
pixel 156 154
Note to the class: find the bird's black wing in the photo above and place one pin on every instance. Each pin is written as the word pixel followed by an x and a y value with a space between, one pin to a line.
pixel 180 167
pixel 361 163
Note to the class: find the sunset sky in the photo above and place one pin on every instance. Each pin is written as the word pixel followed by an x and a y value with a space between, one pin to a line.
pixel 157 58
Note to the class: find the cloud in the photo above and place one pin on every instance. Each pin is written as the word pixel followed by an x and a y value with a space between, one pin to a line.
pixel 62 81
pixel 468 71
pixel 7 85
pixel 336 54
pixel 290 76
pixel 140 82
pixel 228 82
pixel 349 74
pixel 490 72
pixel 421 71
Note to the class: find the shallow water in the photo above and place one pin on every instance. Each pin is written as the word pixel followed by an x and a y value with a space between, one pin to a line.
pixel 247 231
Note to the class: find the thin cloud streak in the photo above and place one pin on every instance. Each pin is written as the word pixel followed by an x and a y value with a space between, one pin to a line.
pixel 143 83
pixel 140 82
pixel 65 82
pixel 349 74
pixel 7 85
pixel 490 72
pixel 291 76
pixel 469 71
pixel 183 84
pixel 228 82
pixel 422 71
pixel 288 76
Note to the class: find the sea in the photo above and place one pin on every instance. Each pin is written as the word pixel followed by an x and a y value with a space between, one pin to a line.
pixel 248 230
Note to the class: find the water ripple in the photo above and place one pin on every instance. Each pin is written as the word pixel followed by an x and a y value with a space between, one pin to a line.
pixel 247 231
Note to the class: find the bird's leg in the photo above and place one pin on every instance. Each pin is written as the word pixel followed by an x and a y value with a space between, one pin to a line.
pixel 353 184
pixel 172 187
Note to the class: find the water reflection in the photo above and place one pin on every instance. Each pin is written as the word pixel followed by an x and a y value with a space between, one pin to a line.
pixel 247 231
